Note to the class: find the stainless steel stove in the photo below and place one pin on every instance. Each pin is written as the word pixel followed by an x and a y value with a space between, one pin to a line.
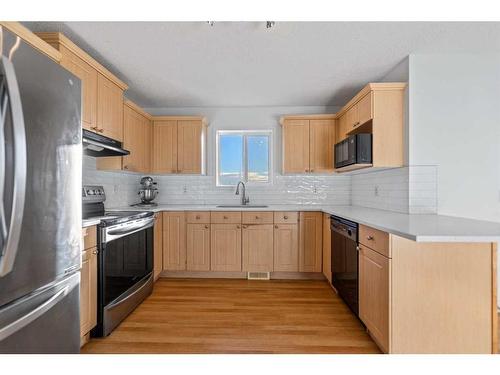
pixel 125 261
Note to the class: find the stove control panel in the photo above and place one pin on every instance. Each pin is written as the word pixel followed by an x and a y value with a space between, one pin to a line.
pixel 93 193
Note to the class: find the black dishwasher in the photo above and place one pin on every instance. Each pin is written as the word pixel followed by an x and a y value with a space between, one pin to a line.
pixel 345 260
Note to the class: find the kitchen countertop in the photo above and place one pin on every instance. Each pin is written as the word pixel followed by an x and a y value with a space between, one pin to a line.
pixel 90 222
pixel 420 228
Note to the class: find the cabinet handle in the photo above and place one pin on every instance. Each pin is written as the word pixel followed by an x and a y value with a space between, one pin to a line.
pixel 358 249
pixel 355 124
pixel 95 251
pixel 94 127
pixel 100 130
pixel 369 238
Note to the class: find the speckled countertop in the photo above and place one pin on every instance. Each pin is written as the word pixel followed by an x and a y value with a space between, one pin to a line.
pixel 421 228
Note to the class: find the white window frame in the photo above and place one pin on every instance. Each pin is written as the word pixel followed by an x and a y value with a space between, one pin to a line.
pixel 245 133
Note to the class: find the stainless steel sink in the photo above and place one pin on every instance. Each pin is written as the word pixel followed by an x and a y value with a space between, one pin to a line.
pixel 240 206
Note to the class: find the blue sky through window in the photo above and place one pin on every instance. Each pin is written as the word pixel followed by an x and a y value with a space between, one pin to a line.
pixel 232 152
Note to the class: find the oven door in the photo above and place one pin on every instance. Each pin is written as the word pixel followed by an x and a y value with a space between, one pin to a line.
pixel 125 272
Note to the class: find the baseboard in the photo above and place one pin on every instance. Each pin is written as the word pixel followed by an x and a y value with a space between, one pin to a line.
pixel 241 275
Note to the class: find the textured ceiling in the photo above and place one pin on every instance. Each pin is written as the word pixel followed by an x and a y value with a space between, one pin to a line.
pixel 176 64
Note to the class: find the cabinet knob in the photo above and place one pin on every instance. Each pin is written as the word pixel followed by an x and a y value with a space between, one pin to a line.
pixel 276 226
pixel 95 251
pixel 206 226
pixel 197 217
pixel 256 217
pixel 238 227
pixel 312 170
pixel 285 217
pixel 355 124
pixel 224 217
pixel 245 226
pixel 369 238
pixel 306 170
pixel 125 167
pixel 100 130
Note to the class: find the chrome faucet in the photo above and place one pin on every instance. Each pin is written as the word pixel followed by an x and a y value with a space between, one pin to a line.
pixel 244 199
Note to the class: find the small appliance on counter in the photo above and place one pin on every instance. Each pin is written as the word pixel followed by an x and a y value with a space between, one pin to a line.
pixel 147 192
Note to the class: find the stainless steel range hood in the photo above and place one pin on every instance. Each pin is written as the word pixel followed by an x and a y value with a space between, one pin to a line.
pixel 99 146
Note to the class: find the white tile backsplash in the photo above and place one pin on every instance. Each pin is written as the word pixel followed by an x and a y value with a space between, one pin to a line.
pixel 408 190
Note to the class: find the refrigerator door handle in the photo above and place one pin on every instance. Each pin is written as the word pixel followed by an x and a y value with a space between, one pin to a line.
pixel 34 314
pixel 11 99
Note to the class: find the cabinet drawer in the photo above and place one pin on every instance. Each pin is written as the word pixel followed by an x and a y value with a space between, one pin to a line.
pixel 198 217
pixel 375 239
pixel 257 217
pixel 89 235
pixel 286 217
pixel 225 217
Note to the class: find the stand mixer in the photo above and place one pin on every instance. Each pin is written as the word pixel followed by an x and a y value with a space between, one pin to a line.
pixel 147 192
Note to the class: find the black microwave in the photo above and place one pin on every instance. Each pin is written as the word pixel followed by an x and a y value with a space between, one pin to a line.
pixel 355 149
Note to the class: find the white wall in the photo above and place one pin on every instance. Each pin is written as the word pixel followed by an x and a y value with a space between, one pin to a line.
pixel 454 123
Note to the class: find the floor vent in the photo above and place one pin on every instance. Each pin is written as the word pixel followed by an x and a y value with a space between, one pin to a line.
pixel 259 275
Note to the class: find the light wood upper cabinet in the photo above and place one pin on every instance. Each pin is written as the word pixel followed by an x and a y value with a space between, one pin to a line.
pixel 322 140
pixel 308 143
pixel 257 248
pixel 189 142
pixel 102 91
pixel 164 146
pixel 374 292
pixel 88 77
pixel 295 146
pixel 327 248
pixel 88 291
pixel 137 132
pixel 225 249
pixel 198 247
pixel 158 246
pixel 364 109
pixel 109 108
pixel 286 247
pixel 179 145
pixel 311 242
pixel 174 241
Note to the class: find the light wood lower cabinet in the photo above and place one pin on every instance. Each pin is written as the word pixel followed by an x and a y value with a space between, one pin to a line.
pixel 257 248
pixel 88 291
pixel 225 249
pixel 374 289
pixel 158 246
pixel 198 247
pixel 311 242
pixel 327 248
pixel 174 241
pixel 286 247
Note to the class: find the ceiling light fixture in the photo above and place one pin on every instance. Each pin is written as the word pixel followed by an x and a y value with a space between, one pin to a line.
pixel 270 24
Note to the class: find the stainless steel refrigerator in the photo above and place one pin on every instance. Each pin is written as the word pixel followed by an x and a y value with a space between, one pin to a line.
pixel 40 203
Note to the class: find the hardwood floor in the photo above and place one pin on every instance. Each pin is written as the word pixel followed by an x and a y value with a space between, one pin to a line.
pixel 238 316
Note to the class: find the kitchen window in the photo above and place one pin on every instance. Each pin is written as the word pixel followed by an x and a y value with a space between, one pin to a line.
pixel 243 155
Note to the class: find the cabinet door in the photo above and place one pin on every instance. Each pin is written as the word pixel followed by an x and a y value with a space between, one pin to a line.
pixel 295 146
pixel 351 118
pixel 327 248
pixel 365 109
pixel 135 140
pixel 88 291
pixel 342 128
pixel 165 146
pixel 322 138
pixel 225 249
pixel 174 241
pixel 198 247
pixel 189 143
pixel 109 108
pixel 88 77
pixel 311 242
pixel 257 244
pixel 286 247
pixel 374 271
pixel 158 246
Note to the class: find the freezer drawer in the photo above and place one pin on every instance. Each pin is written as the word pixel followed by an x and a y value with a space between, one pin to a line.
pixel 46 321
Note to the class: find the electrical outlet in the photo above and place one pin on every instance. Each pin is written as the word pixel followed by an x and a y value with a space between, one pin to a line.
pixel 376 190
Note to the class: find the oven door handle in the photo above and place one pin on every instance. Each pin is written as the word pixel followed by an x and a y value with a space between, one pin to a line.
pixel 113 234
